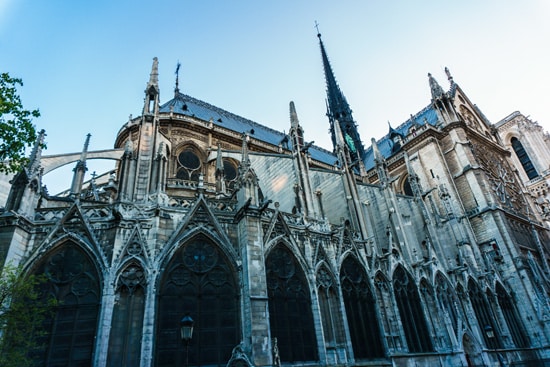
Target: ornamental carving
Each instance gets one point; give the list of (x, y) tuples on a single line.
[(501, 179)]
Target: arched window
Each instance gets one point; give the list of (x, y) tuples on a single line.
[(448, 300), (410, 310), (198, 282), (290, 315), (329, 304), (188, 165), (512, 319), (407, 189), (360, 311), (127, 324), (524, 159), (388, 317), (484, 316), (73, 281)]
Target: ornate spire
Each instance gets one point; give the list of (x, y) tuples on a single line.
[(36, 153), (154, 76), (152, 90), (339, 112)]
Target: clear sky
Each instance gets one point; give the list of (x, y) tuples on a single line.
[(85, 64)]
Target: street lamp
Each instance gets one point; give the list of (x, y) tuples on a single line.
[(186, 330)]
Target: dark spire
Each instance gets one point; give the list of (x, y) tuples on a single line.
[(339, 112), (177, 89)]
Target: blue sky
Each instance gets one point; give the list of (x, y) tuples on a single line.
[(85, 64)]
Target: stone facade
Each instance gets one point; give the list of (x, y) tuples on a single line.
[(431, 249)]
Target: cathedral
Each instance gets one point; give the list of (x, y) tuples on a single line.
[(218, 241)]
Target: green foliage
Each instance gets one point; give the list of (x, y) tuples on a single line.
[(22, 314), (16, 128)]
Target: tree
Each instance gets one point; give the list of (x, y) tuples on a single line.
[(22, 314), (16, 129)]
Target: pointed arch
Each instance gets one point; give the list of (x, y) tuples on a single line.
[(73, 279), (329, 305), (128, 313), (447, 300), (388, 315), (199, 280), (411, 312), (360, 304), (511, 316), (484, 316), (435, 320), (289, 300)]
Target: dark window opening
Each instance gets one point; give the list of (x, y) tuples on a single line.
[(69, 335), (290, 315), (411, 312), (524, 159), (360, 307), (200, 282)]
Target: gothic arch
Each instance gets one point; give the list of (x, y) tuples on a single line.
[(484, 315), (511, 316), (74, 280), (411, 312), (128, 314), (388, 316), (361, 313), (175, 244), (288, 243), (329, 306), (448, 301), (438, 327), (200, 280), (289, 301)]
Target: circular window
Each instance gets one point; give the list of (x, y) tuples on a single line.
[(189, 160), (229, 170)]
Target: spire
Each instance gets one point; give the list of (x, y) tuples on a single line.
[(80, 169), (36, 154), (339, 112), (154, 77), (152, 90), (177, 89), (293, 116), (437, 91)]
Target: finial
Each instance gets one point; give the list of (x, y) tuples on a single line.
[(293, 115), (154, 77), (437, 91), (177, 90), (87, 142), (317, 28), (449, 76)]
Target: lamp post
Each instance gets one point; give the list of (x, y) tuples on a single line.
[(186, 330)]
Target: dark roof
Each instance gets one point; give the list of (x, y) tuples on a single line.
[(187, 105), (385, 145)]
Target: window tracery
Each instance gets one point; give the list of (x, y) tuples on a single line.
[(198, 281), (411, 312), (361, 313), (290, 314), (189, 165), (73, 281)]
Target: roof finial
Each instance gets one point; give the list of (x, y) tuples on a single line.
[(449, 76), (317, 27), (177, 90)]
